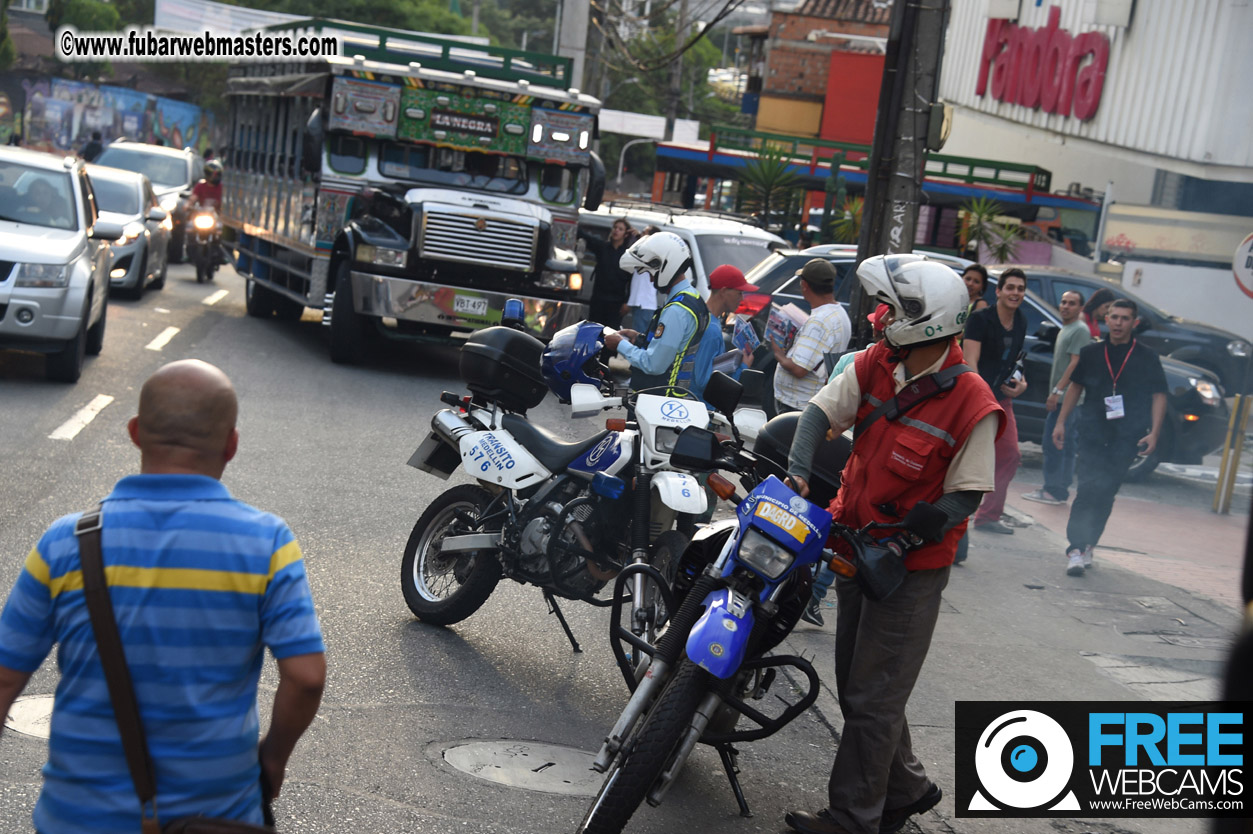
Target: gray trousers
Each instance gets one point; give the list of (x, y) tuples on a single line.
[(879, 651)]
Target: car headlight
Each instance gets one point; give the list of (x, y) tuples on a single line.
[(763, 555), (169, 202), (551, 280), (1210, 393), (382, 256), (42, 275), (1238, 348), (131, 231)]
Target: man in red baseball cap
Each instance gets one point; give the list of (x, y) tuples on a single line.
[(726, 290)]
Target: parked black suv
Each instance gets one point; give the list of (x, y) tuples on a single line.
[(1212, 348)]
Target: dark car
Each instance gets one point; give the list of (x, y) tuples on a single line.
[(1196, 414), (1220, 351)]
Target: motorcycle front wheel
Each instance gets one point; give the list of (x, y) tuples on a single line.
[(645, 757), (440, 589)]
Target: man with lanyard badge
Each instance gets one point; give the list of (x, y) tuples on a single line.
[(664, 357), (1125, 389)]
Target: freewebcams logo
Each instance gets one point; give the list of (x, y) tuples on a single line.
[(1024, 761), (1100, 759)]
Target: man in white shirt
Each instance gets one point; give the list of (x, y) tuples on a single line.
[(801, 372)]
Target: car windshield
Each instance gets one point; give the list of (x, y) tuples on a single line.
[(737, 250), (111, 195), (164, 171), (36, 196)]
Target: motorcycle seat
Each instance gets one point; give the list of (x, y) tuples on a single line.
[(556, 454)]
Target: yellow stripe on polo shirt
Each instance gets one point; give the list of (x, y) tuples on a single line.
[(192, 579), (286, 555), (38, 568)]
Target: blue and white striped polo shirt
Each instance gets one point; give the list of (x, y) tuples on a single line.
[(201, 585)]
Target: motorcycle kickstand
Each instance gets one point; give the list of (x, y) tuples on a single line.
[(728, 755), (554, 608)]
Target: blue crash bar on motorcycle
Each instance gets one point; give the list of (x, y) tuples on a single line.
[(608, 486)]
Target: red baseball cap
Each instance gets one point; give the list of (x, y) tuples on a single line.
[(876, 318), (728, 277)]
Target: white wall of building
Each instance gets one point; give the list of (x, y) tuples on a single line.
[(989, 137), (1210, 296)]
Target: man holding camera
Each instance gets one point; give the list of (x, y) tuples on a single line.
[(1125, 390)]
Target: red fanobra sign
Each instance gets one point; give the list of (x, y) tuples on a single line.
[(1045, 68)]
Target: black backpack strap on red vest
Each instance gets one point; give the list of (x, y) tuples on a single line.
[(915, 393)]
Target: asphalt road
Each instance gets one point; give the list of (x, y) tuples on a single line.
[(325, 447)]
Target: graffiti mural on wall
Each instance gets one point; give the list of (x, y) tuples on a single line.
[(61, 115), (12, 104)]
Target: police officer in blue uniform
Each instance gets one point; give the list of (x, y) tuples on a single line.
[(665, 356)]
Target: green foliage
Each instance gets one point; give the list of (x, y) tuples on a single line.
[(86, 16), (416, 15), (982, 228), (8, 52), (767, 183), (506, 23), (846, 226)]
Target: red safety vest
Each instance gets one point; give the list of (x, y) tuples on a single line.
[(897, 463)]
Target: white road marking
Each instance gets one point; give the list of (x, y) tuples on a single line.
[(216, 297), (162, 339), (160, 309), (71, 427)]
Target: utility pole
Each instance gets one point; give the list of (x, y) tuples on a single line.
[(911, 73), (474, 18), (676, 72)]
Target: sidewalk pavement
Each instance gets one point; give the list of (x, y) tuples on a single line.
[(1151, 621)]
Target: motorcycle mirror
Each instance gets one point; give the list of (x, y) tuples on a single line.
[(723, 393), (925, 521), (696, 449)]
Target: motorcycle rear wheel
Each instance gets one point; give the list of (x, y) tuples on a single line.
[(442, 590), (646, 757)]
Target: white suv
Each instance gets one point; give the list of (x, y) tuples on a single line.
[(715, 239), (54, 261)]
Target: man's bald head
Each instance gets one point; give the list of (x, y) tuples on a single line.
[(186, 420)]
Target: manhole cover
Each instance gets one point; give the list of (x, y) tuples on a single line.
[(31, 716), (530, 765)]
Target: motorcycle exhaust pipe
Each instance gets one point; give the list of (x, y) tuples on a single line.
[(450, 427)]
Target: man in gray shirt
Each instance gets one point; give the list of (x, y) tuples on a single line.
[(1059, 464)]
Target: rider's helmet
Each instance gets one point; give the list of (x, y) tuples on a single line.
[(213, 171), (573, 357), (663, 255), (928, 298)]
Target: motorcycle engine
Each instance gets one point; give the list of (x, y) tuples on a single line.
[(559, 542)]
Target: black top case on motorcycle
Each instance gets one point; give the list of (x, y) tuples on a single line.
[(502, 365)]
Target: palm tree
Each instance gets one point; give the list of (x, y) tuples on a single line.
[(767, 181), (846, 226), (983, 229)]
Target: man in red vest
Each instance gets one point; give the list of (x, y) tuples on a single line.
[(938, 448)]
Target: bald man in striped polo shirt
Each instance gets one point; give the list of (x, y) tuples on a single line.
[(201, 585)]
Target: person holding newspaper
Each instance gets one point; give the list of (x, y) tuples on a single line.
[(800, 373)]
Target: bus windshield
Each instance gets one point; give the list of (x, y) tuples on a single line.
[(449, 166)]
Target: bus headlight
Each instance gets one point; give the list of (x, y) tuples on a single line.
[(381, 256), (550, 280)]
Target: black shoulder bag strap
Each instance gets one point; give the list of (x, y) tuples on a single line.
[(915, 393), (116, 673)]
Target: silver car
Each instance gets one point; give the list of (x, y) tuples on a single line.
[(140, 256), (54, 260), (173, 173)]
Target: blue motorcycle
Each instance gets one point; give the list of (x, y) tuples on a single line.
[(741, 587)]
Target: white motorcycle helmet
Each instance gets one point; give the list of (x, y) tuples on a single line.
[(928, 298), (663, 255)]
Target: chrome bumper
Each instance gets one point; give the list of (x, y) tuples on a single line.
[(469, 309)]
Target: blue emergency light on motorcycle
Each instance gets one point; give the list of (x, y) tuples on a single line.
[(608, 486), (513, 310)]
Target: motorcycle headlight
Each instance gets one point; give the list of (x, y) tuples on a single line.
[(1238, 348), (665, 438), (763, 555), (1210, 393), (381, 256), (204, 222), (131, 231), (42, 275)]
